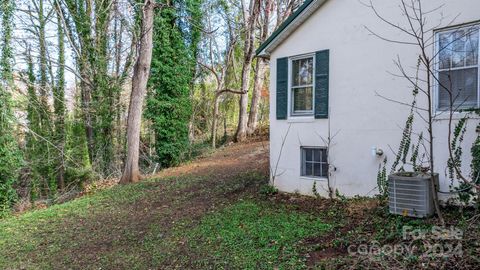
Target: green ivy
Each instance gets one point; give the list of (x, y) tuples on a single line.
[(466, 192), (405, 143), (415, 153), (10, 158), (382, 179), (476, 161), (176, 38), (456, 147)]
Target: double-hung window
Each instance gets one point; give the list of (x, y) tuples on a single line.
[(458, 69), (302, 86), (314, 162)]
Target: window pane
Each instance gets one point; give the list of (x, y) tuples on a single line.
[(317, 170), (295, 71), (308, 154), (458, 49), (308, 169), (445, 47), (303, 99), (471, 47), (317, 155), (464, 87), (324, 155), (324, 170), (302, 72), (306, 72)]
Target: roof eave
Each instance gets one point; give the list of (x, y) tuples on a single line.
[(288, 27)]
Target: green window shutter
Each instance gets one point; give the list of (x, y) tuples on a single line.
[(322, 62), (282, 88)]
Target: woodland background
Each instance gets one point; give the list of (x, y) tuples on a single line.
[(65, 82)]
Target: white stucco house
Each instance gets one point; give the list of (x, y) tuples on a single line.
[(332, 78)]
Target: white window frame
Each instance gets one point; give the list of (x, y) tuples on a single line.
[(291, 113), (437, 70), (303, 163)]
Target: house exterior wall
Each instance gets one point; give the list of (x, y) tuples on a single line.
[(359, 120)]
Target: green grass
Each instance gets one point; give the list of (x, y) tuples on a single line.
[(47, 230), (166, 223), (252, 235)]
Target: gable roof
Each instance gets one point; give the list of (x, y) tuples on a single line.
[(289, 26)]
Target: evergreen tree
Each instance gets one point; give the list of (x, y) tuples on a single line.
[(9, 152), (176, 38)]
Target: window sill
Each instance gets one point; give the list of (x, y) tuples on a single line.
[(313, 178), (298, 119), (445, 115)]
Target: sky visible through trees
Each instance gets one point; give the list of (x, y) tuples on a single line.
[(69, 67)]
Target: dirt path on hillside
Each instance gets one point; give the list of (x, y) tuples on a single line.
[(230, 160)]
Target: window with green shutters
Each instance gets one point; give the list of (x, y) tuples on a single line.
[(303, 86)]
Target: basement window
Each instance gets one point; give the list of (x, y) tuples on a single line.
[(314, 162)]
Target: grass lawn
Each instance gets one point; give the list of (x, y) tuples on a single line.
[(161, 223), (210, 214)]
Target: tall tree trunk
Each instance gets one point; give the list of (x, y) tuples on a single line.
[(215, 119), (191, 128), (256, 96), (102, 95), (243, 112), (45, 160), (118, 108), (141, 74), (250, 21), (43, 52), (433, 184), (259, 73), (59, 106), (86, 99)]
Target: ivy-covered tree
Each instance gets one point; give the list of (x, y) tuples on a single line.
[(88, 28), (40, 150), (176, 38), (59, 107), (9, 152)]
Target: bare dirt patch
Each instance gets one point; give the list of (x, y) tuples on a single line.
[(249, 156)]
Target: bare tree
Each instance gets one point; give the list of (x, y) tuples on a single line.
[(217, 62), (419, 36), (102, 35), (250, 17), (220, 77), (131, 173), (281, 10), (285, 8), (260, 69)]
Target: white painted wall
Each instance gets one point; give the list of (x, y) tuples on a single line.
[(359, 66)]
